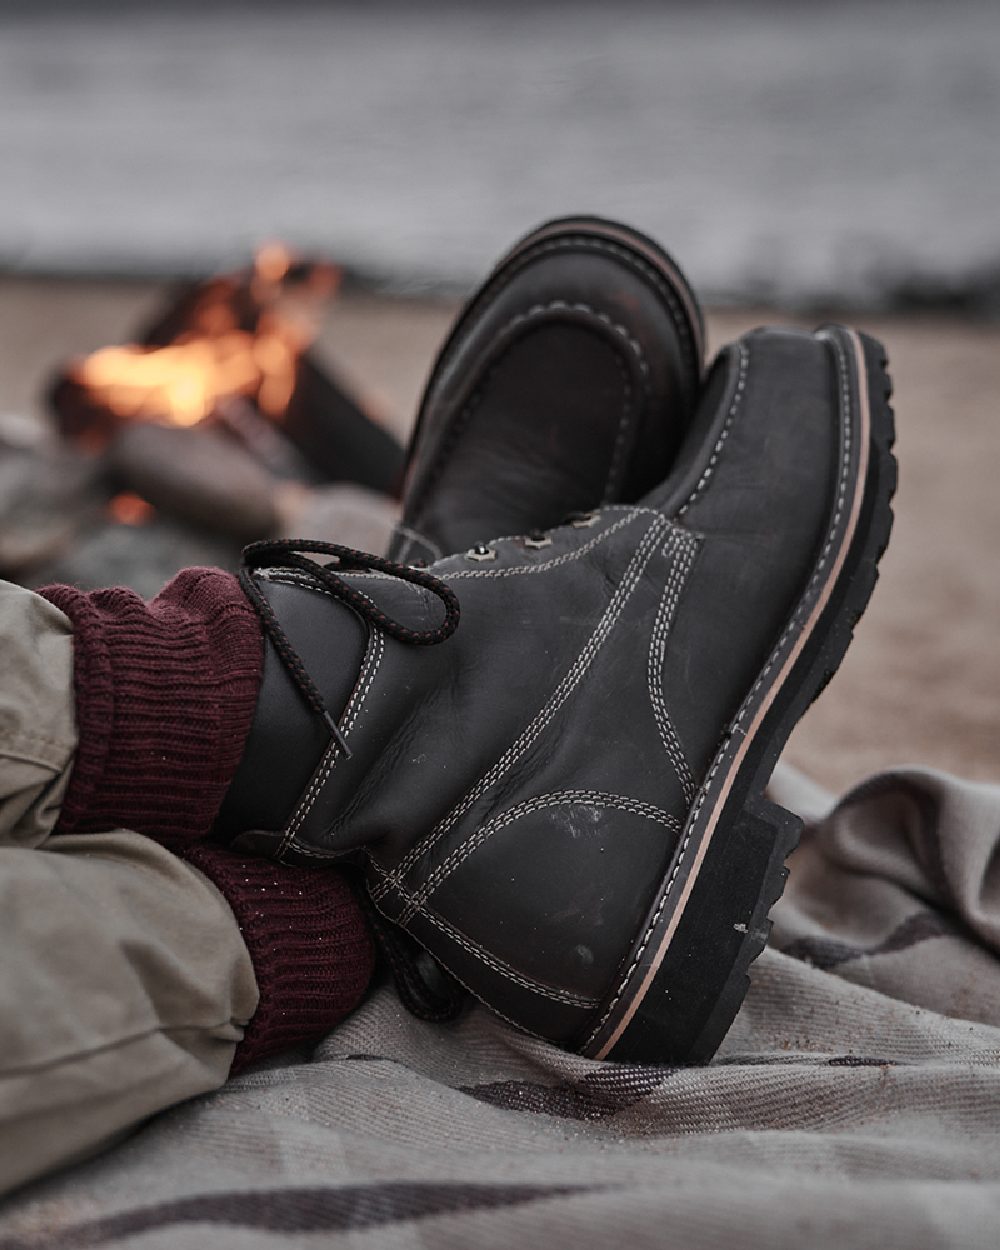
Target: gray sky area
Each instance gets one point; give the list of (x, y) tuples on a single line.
[(797, 152)]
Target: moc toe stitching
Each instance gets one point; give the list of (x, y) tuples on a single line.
[(503, 342), (606, 278), (580, 242)]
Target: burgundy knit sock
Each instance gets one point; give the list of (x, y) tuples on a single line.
[(165, 694), (308, 941)]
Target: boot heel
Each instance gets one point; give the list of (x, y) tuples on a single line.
[(762, 822), (723, 928)]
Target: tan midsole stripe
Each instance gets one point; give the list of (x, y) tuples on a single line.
[(849, 531)]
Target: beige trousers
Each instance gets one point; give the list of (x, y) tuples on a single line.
[(124, 981)]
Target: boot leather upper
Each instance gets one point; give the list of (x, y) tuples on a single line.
[(567, 382), (516, 794)]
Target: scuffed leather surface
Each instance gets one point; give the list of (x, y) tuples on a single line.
[(516, 793)]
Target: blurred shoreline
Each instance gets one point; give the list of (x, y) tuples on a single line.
[(786, 154)]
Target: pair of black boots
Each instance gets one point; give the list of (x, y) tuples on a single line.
[(544, 725)]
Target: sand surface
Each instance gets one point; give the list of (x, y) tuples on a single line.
[(921, 684)]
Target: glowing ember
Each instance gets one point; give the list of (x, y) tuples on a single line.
[(244, 336), (129, 509)]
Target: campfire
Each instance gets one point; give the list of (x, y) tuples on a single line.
[(239, 336), (218, 420), (232, 355)]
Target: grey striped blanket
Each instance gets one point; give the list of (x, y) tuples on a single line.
[(856, 1102)]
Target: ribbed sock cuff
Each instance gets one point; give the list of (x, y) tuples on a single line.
[(165, 695), (308, 940)]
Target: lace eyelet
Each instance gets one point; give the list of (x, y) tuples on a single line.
[(536, 542), (584, 520), (481, 552)]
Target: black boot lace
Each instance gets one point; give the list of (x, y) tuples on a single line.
[(287, 553), (424, 988)]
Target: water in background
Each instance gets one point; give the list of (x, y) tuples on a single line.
[(797, 152)]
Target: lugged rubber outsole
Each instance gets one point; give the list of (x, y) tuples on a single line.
[(688, 978)]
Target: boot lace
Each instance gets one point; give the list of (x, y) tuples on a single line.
[(425, 989), (288, 553)]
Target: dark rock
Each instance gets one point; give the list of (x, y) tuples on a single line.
[(341, 441)]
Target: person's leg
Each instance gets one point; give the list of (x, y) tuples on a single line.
[(37, 735), (125, 981), (129, 974), (125, 986)]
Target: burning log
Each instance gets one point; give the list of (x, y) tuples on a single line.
[(197, 474), (242, 421), (228, 362), (328, 429)]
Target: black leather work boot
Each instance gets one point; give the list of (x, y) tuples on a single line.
[(563, 799), (567, 382)]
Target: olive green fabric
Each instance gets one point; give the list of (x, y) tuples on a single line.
[(124, 981), (855, 1103)]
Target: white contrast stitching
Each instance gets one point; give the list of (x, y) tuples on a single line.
[(500, 966), (372, 662), (728, 746), (560, 305), (468, 409), (569, 682), (679, 570), (295, 578), (559, 798), (292, 577), (503, 969), (730, 416), (521, 1028), (643, 553)]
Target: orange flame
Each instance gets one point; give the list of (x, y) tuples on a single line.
[(215, 356), (130, 509)]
